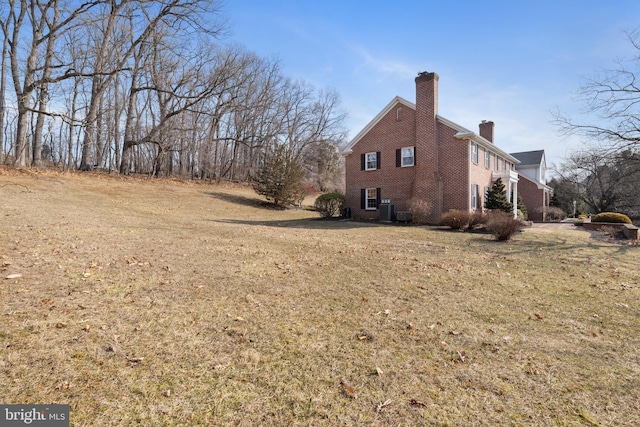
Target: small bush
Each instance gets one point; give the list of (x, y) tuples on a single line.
[(476, 218), (502, 225), (579, 222), (420, 211), (329, 204), (552, 213), (611, 217), (456, 219)]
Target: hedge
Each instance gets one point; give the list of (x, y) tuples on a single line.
[(611, 217)]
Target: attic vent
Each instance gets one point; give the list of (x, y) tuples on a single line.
[(398, 114)]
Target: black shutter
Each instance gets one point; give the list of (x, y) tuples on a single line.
[(398, 158), (378, 197), (415, 159), (377, 160), (363, 198), (361, 162)]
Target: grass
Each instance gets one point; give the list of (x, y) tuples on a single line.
[(166, 303)]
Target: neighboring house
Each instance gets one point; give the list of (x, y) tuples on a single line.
[(532, 186), (409, 152)]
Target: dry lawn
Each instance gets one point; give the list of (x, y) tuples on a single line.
[(167, 303)]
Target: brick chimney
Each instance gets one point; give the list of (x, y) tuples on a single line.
[(486, 130), (427, 183)]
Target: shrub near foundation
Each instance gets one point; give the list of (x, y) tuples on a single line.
[(611, 217), (477, 218), (456, 219), (330, 204), (420, 211)]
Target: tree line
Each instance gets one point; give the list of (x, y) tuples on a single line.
[(605, 174), (147, 86)]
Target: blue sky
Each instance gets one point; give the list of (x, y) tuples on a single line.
[(512, 62)]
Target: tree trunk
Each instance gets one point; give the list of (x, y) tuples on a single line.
[(43, 94)]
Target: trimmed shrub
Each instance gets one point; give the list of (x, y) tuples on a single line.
[(502, 225), (329, 204), (611, 217), (456, 219), (420, 211)]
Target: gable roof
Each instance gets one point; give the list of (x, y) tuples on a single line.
[(529, 158), (463, 133), (376, 119)]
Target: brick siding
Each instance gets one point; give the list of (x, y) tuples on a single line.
[(533, 198), (443, 170)]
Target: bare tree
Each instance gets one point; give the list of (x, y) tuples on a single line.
[(4, 25), (43, 90), (604, 181), (613, 97), (42, 21)]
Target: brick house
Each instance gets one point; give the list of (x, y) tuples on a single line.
[(410, 152), (532, 187)]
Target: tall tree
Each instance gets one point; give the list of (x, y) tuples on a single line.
[(604, 181), (496, 198), (611, 99)]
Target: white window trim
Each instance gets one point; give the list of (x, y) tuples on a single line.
[(496, 166), (366, 161), (474, 196), (487, 159), (474, 153), (413, 157), (367, 198)]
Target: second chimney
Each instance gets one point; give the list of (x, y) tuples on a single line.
[(486, 130)]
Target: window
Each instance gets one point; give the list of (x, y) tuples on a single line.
[(496, 165), (474, 152), (487, 159), (486, 193), (371, 199), (474, 196), (407, 156), (504, 164), (371, 161)]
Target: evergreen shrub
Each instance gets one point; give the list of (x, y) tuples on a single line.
[(329, 204), (611, 217)]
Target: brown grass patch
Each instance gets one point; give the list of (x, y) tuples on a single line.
[(168, 303)]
